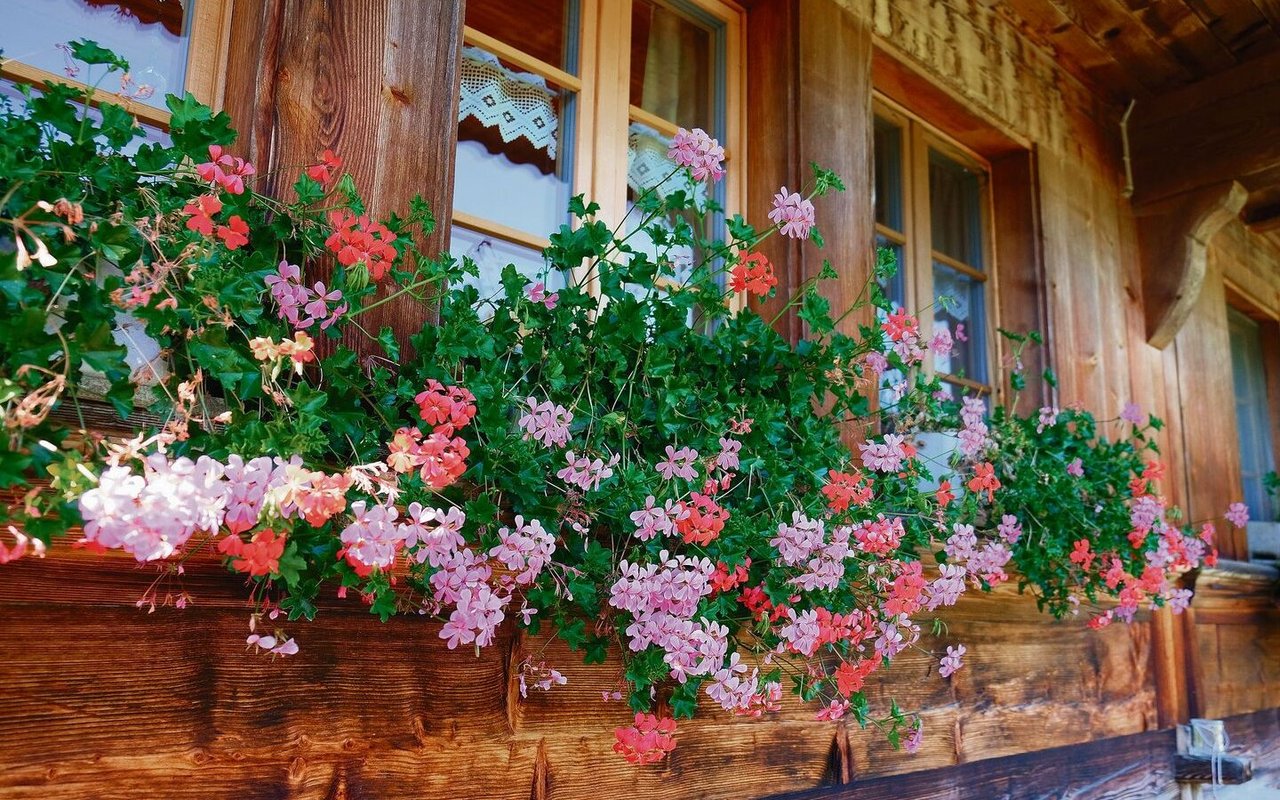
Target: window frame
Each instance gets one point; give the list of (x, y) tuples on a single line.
[(603, 117), (916, 238), (208, 34), (1241, 300)]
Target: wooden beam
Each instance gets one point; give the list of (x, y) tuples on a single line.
[(1223, 128), (810, 84), (1172, 239), (1227, 770), (1140, 765), (377, 83)]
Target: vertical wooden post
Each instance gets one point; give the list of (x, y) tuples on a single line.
[(809, 84), (376, 81)]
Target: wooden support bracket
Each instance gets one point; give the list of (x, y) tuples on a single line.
[(1232, 770), (1173, 236)]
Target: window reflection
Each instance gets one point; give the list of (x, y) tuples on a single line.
[(152, 35)]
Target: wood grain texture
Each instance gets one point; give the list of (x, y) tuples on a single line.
[(1237, 633), (808, 54), (374, 81), (1220, 129), (105, 698), (1137, 767)]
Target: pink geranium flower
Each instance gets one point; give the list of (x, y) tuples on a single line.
[(793, 213), (699, 152), (951, 661)]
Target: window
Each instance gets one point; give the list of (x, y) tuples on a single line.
[(932, 213), (561, 97), (1253, 418), (171, 47)]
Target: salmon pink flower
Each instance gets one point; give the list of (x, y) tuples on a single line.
[(225, 170), (19, 549), (439, 405), (647, 741), (879, 537), (443, 460), (260, 556), (900, 325), (1080, 554), (943, 495), (753, 274), (984, 480), (832, 711), (360, 240), (324, 172), (843, 489), (704, 522), (537, 293), (201, 211), (233, 234)]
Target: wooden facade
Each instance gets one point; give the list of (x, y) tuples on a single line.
[(1130, 283)]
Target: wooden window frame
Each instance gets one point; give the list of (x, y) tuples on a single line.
[(918, 254), (208, 32), (604, 116), (1240, 300)]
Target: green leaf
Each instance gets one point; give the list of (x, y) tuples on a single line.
[(90, 52), (816, 310), (387, 338)]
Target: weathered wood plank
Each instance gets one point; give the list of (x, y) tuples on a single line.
[(1138, 767)]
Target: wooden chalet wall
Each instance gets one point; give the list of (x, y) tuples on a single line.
[(103, 700)]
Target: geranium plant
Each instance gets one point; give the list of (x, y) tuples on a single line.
[(624, 461)]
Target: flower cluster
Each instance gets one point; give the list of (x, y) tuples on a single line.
[(360, 240)]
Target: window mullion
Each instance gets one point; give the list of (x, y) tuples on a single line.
[(919, 251)]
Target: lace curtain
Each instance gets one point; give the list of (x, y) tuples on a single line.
[(516, 104)]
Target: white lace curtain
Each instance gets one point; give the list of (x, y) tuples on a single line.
[(517, 104)]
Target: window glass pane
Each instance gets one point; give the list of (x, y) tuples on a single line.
[(959, 307), (492, 254), (540, 28), (514, 148), (955, 205), (649, 170), (151, 36), (894, 288), (672, 71), (888, 185), (1253, 418)]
